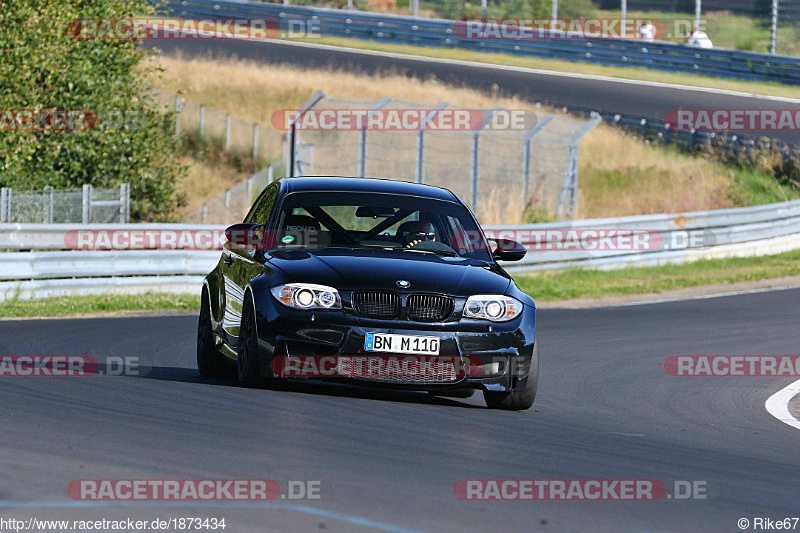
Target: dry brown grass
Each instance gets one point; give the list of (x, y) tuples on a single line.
[(619, 175), (205, 181), (623, 176)]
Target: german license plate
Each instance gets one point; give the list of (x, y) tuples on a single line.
[(391, 342)]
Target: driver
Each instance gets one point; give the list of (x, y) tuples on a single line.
[(412, 233)]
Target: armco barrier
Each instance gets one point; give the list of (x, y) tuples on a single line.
[(659, 55), (684, 237)]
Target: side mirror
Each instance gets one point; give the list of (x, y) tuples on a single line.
[(508, 250), (246, 236)]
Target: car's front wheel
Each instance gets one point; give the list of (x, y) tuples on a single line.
[(209, 360), (523, 396), (247, 366)]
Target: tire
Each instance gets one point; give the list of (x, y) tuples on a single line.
[(247, 367), (209, 360), (523, 396)]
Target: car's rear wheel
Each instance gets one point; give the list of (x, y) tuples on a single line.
[(247, 366), (523, 396), (209, 360)]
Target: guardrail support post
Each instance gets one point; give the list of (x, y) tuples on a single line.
[(227, 132), (177, 115), (255, 141), (270, 173), (4, 210), (87, 204), (205, 213), (202, 121)]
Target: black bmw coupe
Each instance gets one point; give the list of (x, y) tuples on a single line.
[(371, 282)]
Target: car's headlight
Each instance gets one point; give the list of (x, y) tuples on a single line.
[(307, 296), (496, 308)]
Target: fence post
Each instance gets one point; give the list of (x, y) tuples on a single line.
[(49, 217), (202, 121), (362, 137), (177, 115), (249, 198), (205, 213), (526, 154), (4, 210), (292, 151), (227, 132), (474, 172), (228, 198), (122, 203), (419, 171), (87, 204), (255, 141), (269, 174), (127, 203), (420, 166)]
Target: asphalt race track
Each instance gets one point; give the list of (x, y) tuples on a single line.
[(387, 461), (638, 99)]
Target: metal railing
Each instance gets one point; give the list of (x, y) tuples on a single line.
[(86, 205), (685, 237), (498, 171), (659, 55)]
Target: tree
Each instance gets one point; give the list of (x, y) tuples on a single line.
[(42, 66)]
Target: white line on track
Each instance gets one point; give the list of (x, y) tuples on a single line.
[(475, 64), (778, 404)]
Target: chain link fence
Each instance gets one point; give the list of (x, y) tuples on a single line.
[(220, 129), (499, 171), (63, 206), (232, 205)]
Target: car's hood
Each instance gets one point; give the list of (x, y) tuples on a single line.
[(365, 269)]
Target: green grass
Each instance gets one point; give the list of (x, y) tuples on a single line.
[(570, 284), (107, 303), (544, 286), (751, 187), (631, 73), (725, 29)]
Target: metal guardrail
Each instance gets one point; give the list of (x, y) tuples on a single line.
[(739, 232), (659, 55)]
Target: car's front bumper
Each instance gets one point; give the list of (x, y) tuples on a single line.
[(493, 355)]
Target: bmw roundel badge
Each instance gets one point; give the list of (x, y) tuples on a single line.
[(403, 284)]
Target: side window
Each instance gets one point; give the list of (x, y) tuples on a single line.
[(263, 209)]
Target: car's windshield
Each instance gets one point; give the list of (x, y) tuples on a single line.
[(375, 220)]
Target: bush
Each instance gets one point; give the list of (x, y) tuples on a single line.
[(42, 67)]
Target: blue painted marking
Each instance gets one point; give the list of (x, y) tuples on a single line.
[(369, 342)]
